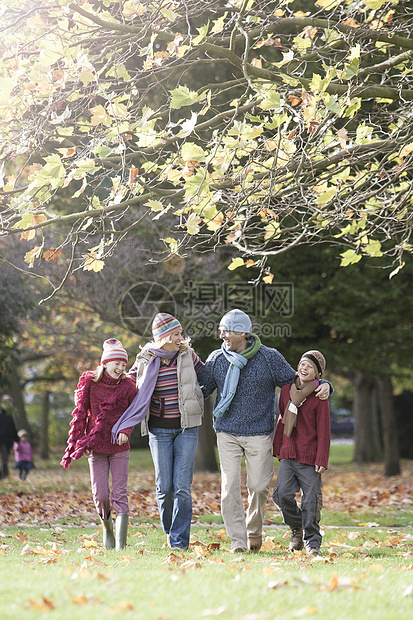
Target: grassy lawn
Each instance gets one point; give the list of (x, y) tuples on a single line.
[(52, 563)]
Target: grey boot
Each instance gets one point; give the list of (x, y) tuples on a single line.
[(108, 536), (121, 530)]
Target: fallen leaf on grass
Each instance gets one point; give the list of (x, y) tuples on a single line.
[(408, 591), (268, 544), (190, 564), (122, 607), (81, 599), (45, 604), (339, 583), (278, 583), (306, 611), (219, 611)]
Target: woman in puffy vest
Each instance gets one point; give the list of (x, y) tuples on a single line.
[(170, 405)]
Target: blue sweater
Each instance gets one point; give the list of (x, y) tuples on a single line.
[(252, 409)]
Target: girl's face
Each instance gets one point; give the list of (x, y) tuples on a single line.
[(176, 339), (306, 371), (115, 368)]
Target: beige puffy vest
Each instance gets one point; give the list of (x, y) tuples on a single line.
[(190, 397)]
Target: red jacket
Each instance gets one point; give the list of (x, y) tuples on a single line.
[(98, 407), (310, 440)]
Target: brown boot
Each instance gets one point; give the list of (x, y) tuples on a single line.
[(296, 541), (254, 543)]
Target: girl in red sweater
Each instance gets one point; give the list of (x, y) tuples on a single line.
[(302, 445), (101, 398)]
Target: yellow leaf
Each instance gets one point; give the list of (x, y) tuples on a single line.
[(256, 62), (67, 152), (118, 109), (193, 223), (28, 235), (406, 150), (327, 4), (215, 222), (30, 257), (92, 263), (269, 278), (235, 263), (99, 116)]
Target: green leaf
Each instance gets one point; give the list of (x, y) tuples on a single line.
[(192, 152), (182, 96), (349, 257)]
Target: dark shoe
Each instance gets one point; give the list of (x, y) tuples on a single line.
[(254, 543), (313, 551), (238, 550), (296, 541)]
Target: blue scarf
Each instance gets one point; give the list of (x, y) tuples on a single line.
[(138, 408), (237, 361)]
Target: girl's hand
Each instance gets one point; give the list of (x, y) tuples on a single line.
[(320, 469), (122, 438), (87, 453), (323, 391)]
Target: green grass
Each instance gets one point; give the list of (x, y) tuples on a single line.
[(65, 572), (59, 570)]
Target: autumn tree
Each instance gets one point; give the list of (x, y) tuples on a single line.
[(362, 322), (250, 123)]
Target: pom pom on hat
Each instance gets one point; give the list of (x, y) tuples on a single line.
[(113, 351), (317, 360), (236, 321), (164, 325)]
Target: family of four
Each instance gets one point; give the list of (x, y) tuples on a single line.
[(165, 390)]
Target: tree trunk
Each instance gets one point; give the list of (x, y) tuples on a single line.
[(389, 427), (15, 391), (44, 427), (368, 445), (205, 457)]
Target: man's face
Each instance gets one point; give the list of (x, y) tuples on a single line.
[(234, 341)]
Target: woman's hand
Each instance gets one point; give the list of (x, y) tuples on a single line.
[(122, 438)]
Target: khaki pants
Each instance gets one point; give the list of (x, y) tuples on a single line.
[(257, 450)]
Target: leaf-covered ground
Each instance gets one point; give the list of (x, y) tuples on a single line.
[(52, 495)]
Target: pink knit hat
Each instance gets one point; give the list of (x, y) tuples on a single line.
[(113, 351), (164, 325)]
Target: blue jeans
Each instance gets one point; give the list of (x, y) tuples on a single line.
[(173, 453)]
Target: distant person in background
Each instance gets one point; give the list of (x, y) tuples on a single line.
[(101, 397), (8, 435), (23, 454), (302, 445)]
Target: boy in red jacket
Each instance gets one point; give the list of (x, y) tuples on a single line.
[(302, 445)]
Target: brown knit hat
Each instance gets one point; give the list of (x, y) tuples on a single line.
[(317, 360)]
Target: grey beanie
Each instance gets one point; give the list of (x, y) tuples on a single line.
[(236, 321)]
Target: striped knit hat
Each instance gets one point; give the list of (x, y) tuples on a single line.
[(317, 360), (113, 351), (164, 325)]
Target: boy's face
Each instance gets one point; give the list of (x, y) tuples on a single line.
[(306, 371)]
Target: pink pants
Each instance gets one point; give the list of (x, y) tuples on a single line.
[(100, 466)]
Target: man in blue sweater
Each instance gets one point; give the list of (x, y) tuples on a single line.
[(245, 374)]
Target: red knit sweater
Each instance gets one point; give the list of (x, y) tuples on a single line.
[(98, 407), (310, 440)]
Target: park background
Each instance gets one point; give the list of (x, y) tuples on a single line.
[(276, 179)]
